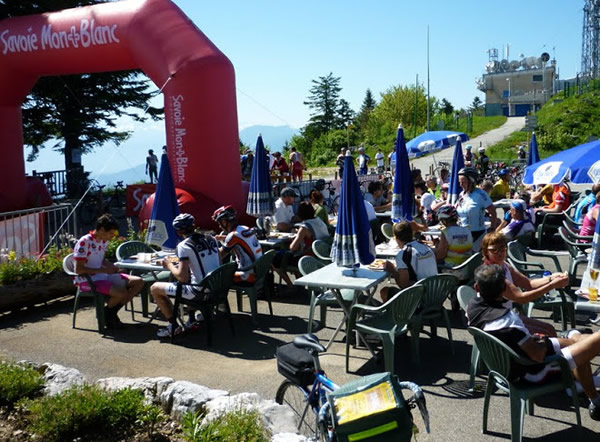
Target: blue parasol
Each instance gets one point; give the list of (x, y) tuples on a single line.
[(260, 196), (353, 241), (434, 141), (160, 229), (458, 162), (534, 155), (580, 164), (404, 189)]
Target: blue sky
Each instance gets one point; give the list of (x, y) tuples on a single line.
[(278, 47)]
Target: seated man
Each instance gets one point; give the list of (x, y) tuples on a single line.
[(501, 187), (415, 261), (284, 217), (240, 240), (488, 312), (375, 196), (198, 255), (88, 255), (518, 221)]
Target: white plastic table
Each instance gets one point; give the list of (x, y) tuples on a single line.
[(336, 278)]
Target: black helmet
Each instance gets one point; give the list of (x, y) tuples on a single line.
[(469, 172), (183, 221), (224, 213)]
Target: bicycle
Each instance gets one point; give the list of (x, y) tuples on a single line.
[(94, 204), (332, 201), (309, 403)]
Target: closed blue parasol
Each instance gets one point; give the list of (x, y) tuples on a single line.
[(458, 162), (260, 196), (580, 164), (160, 229), (353, 241), (534, 155), (404, 189)]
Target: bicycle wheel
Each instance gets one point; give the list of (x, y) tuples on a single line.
[(116, 207), (295, 396), (333, 207)]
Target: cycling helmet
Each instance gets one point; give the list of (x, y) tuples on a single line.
[(521, 147), (226, 213), (469, 172), (447, 212), (183, 221), (503, 172), (481, 150), (469, 147)]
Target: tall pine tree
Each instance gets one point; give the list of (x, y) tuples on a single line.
[(324, 101)]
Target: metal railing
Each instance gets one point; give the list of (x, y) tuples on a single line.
[(29, 232), (55, 181)]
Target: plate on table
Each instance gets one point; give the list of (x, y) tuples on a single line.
[(378, 264)]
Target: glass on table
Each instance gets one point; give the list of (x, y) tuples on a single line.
[(593, 288)]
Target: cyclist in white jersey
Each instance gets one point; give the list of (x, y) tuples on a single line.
[(198, 255), (239, 239)]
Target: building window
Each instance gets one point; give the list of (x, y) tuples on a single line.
[(537, 78)]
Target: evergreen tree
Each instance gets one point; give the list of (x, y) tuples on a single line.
[(324, 101), (447, 107), (369, 103), (345, 115), (476, 103)]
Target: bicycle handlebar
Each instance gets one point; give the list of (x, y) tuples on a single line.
[(419, 398)]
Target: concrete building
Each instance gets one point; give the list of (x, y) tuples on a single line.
[(517, 87)]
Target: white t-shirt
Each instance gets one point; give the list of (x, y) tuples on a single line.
[(379, 159), (422, 260), (283, 213), (471, 209), (362, 160), (371, 214)]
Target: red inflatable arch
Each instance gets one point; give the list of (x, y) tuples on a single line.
[(154, 36)]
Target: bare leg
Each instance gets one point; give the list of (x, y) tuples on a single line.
[(159, 294), (537, 326), (583, 351)]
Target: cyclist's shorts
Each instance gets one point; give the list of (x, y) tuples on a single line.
[(188, 292), (103, 285)]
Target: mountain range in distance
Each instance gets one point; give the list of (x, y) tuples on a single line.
[(274, 137)]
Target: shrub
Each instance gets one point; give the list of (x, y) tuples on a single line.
[(84, 412), (18, 382), (29, 267), (235, 426)]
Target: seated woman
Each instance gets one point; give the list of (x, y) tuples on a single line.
[(309, 229), (494, 252), (456, 243), (316, 199), (590, 219)]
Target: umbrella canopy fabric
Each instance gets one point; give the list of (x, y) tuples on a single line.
[(260, 195), (580, 164), (534, 155), (433, 141), (160, 228), (353, 241), (404, 189), (458, 162)]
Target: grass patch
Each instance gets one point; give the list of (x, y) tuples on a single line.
[(18, 382), (485, 124), (235, 426), (84, 412)]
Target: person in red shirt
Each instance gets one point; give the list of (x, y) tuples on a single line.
[(561, 199), (281, 166)]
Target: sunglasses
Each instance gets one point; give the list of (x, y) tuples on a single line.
[(496, 250)]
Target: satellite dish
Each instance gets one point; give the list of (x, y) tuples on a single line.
[(514, 65), (545, 57), (504, 64)]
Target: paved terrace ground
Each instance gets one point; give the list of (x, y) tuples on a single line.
[(246, 363)]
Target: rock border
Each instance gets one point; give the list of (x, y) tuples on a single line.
[(180, 397)]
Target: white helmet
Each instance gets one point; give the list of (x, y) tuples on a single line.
[(481, 150)]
